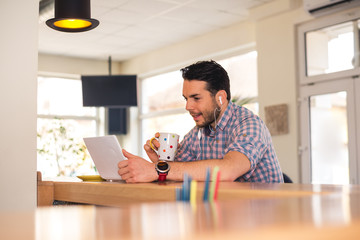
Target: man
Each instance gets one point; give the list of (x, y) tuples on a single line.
[(226, 135)]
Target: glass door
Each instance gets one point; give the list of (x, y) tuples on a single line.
[(328, 130), (329, 70)]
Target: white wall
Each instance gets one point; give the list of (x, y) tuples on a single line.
[(277, 80), (61, 65), (230, 40), (18, 71)]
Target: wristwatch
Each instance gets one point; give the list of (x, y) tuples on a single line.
[(162, 169)]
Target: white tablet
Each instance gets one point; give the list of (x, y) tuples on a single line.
[(106, 153)]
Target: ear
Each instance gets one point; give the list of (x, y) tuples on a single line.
[(221, 97)]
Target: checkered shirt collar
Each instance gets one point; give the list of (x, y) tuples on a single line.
[(221, 124)]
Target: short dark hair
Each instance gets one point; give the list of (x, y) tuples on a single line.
[(212, 73)]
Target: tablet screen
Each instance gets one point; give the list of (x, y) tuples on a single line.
[(106, 153)]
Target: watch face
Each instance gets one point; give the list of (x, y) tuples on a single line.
[(162, 166)]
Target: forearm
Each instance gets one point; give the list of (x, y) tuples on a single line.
[(232, 166)]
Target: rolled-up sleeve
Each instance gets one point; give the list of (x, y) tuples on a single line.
[(247, 139)]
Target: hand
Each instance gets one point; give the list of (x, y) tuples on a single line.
[(136, 169), (153, 156)]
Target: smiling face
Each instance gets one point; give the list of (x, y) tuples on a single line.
[(200, 103)]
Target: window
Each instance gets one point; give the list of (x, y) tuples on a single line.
[(163, 107), (242, 71), (330, 49), (162, 104), (61, 125), (165, 87), (329, 149)]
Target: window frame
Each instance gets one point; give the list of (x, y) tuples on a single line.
[(99, 116), (302, 29)]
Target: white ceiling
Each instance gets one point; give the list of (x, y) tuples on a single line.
[(132, 27)]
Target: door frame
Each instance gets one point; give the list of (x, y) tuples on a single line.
[(349, 85)]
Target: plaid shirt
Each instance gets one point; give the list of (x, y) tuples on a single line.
[(238, 130)]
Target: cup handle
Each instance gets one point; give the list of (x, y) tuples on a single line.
[(151, 145)]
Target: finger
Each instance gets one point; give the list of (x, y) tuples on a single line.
[(157, 135), (148, 148), (153, 156), (153, 142), (131, 180), (127, 154), (147, 144), (125, 176), (123, 171), (123, 164)]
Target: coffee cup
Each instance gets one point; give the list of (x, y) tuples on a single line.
[(168, 146)]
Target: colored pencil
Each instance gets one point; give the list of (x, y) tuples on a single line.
[(213, 183), (206, 188)]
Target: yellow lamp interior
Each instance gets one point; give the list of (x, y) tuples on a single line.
[(72, 23)]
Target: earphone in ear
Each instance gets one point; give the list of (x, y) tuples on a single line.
[(220, 100)]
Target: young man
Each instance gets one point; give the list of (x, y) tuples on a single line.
[(226, 135)]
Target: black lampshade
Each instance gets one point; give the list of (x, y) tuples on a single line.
[(72, 16)]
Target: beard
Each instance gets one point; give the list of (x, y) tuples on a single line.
[(209, 117)]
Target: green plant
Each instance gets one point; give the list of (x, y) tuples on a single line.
[(66, 154), (238, 100)]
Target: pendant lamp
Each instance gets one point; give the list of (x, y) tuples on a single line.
[(72, 16)]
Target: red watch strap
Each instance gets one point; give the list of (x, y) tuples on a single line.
[(162, 177)]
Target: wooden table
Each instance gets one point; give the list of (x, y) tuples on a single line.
[(243, 211), (119, 193)]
